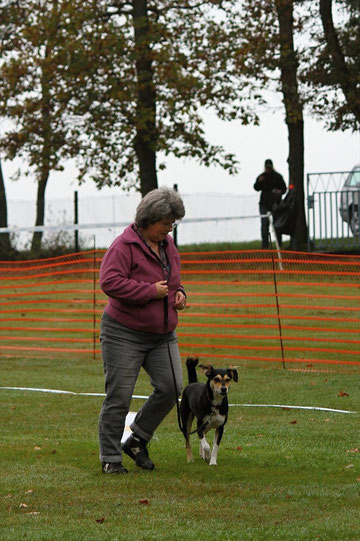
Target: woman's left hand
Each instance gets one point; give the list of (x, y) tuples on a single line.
[(180, 301)]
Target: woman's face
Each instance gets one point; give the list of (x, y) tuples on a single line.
[(157, 231)]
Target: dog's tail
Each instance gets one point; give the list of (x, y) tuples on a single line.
[(191, 363)]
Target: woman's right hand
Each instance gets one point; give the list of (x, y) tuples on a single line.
[(162, 289)]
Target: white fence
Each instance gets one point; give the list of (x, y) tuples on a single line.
[(212, 217)]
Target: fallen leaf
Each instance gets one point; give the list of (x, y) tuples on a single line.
[(349, 466), (36, 448), (53, 452), (144, 502), (327, 420), (239, 448), (100, 520), (32, 513), (355, 450), (358, 479), (22, 505), (309, 366), (293, 422), (341, 393), (286, 409), (29, 491)]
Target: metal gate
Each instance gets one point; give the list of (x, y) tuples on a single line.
[(333, 210)]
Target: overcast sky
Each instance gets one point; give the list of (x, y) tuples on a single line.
[(324, 152)]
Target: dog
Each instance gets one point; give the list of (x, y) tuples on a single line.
[(209, 404)]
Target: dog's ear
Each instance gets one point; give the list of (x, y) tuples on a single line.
[(233, 374), (207, 369)]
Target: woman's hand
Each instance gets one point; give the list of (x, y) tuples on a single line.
[(162, 289), (180, 300)]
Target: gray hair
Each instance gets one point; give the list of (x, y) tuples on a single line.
[(161, 203)]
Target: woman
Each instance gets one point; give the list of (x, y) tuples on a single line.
[(140, 273)]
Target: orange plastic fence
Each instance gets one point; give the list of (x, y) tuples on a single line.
[(287, 308)]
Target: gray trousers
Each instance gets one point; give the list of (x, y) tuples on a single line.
[(124, 352)]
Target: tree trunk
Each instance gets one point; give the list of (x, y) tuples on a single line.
[(146, 133), (5, 243), (343, 77), (44, 166), (43, 170), (40, 210), (294, 116)]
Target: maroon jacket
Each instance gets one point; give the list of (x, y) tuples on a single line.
[(128, 274)]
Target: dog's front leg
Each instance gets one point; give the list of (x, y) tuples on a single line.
[(215, 449), (214, 454), (205, 451)]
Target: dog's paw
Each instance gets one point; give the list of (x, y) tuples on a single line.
[(213, 462)]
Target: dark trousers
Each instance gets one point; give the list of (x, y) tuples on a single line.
[(124, 352)]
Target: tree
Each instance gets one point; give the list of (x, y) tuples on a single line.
[(146, 132), (5, 242), (134, 74), (332, 71), (35, 52), (293, 104), (157, 66), (344, 73), (267, 53)]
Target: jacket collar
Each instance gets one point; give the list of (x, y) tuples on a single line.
[(131, 236)]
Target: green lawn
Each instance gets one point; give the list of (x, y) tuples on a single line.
[(282, 474)]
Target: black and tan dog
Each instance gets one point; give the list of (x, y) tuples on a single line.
[(209, 404)]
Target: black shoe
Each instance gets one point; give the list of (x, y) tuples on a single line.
[(113, 467), (136, 449)]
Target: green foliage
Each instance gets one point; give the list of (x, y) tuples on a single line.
[(180, 66), (34, 53)]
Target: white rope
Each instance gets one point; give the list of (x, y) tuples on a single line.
[(57, 391), (143, 397), (291, 407)]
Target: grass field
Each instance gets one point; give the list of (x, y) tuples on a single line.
[(282, 474)]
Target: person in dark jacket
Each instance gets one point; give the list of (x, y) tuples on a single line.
[(140, 274), (272, 186)]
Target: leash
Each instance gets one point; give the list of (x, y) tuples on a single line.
[(166, 317)]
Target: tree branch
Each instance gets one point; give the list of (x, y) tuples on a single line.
[(341, 70)]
